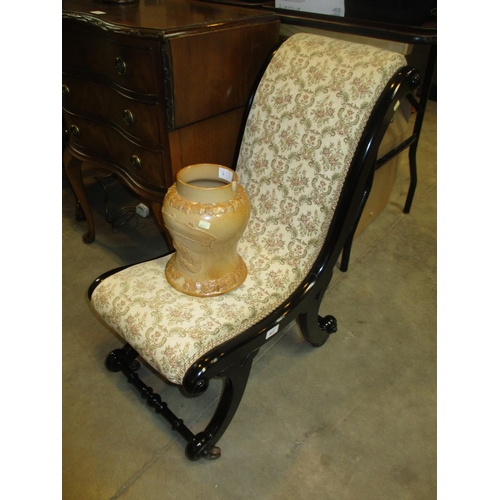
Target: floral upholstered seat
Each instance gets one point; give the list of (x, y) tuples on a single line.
[(306, 119)]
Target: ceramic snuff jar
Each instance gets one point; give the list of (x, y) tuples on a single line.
[(206, 212)]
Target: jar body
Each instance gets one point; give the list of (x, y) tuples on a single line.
[(206, 212)]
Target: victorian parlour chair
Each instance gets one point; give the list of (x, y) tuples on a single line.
[(306, 158)]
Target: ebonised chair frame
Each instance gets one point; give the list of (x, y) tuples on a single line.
[(232, 360)]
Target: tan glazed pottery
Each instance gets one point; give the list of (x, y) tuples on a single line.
[(206, 212)]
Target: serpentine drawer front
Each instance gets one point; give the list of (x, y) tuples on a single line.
[(136, 118), (107, 142), (148, 89), (99, 55)]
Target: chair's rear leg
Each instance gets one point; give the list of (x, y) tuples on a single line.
[(413, 178), (235, 381), (346, 251), (314, 328)]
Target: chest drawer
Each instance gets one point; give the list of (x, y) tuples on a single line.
[(143, 164), (128, 66), (137, 118)]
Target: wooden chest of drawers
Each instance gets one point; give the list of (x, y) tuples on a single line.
[(151, 87)]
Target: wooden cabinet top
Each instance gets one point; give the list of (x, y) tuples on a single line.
[(162, 18)]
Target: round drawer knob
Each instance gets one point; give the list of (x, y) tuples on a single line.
[(75, 131), (120, 66), (135, 161), (128, 117), (65, 91)]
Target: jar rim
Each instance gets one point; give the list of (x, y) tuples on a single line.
[(223, 178)]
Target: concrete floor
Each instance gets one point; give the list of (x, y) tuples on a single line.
[(354, 419)]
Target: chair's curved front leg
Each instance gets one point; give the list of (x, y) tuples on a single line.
[(124, 360), (235, 379)]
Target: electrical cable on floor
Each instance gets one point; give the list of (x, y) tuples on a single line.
[(122, 216)]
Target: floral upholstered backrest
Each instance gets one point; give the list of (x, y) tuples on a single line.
[(307, 117)]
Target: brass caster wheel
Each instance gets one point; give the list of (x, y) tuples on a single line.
[(214, 453)]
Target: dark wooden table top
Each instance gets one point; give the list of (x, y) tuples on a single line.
[(163, 18)]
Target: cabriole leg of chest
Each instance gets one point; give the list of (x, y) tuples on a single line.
[(73, 168)]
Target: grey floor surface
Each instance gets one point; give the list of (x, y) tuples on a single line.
[(354, 419)]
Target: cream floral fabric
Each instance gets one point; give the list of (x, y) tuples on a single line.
[(307, 117)]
